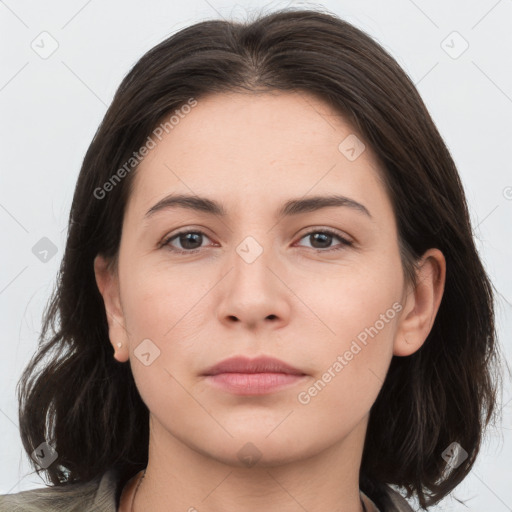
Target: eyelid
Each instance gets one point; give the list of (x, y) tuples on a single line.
[(344, 240), (331, 231), (168, 238)]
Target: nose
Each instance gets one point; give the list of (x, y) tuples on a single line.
[(253, 293)]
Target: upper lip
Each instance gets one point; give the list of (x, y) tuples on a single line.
[(262, 364)]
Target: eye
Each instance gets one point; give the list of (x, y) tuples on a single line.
[(322, 238), (189, 240)]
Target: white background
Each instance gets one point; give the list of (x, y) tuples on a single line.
[(50, 109)]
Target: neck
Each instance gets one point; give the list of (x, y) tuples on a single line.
[(179, 477)]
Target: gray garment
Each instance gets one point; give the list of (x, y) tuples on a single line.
[(99, 495)]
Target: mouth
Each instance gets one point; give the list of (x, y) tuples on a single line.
[(253, 383), (244, 376), (262, 364)]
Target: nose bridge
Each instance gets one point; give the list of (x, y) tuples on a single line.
[(252, 293), (251, 258), (253, 248)]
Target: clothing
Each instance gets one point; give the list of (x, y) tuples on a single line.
[(103, 494)]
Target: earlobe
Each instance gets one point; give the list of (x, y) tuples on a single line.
[(421, 304), (107, 282)]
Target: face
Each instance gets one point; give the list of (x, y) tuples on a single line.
[(319, 286)]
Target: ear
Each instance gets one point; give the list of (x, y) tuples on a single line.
[(108, 285), (421, 304)]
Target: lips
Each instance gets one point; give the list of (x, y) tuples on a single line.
[(262, 364)]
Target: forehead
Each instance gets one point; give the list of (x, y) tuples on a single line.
[(256, 145)]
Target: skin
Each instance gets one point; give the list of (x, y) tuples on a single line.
[(296, 302)]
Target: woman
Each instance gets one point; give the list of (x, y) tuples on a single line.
[(254, 367)]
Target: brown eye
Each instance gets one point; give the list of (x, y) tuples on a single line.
[(322, 239), (190, 241)]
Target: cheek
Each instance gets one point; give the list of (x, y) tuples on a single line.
[(165, 307), (157, 300), (351, 366), (158, 306), (344, 300), (351, 325), (338, 399)]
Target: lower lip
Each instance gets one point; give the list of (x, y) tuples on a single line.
[(253, 383)]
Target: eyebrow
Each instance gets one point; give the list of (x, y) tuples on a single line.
[(291, 207)]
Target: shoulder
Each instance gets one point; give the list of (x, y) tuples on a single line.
[(385, 498), (399, 502), (99, 493)]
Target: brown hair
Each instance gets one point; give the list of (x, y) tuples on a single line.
[(86, 404)]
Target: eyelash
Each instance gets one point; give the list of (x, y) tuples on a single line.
[(344, 241)]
